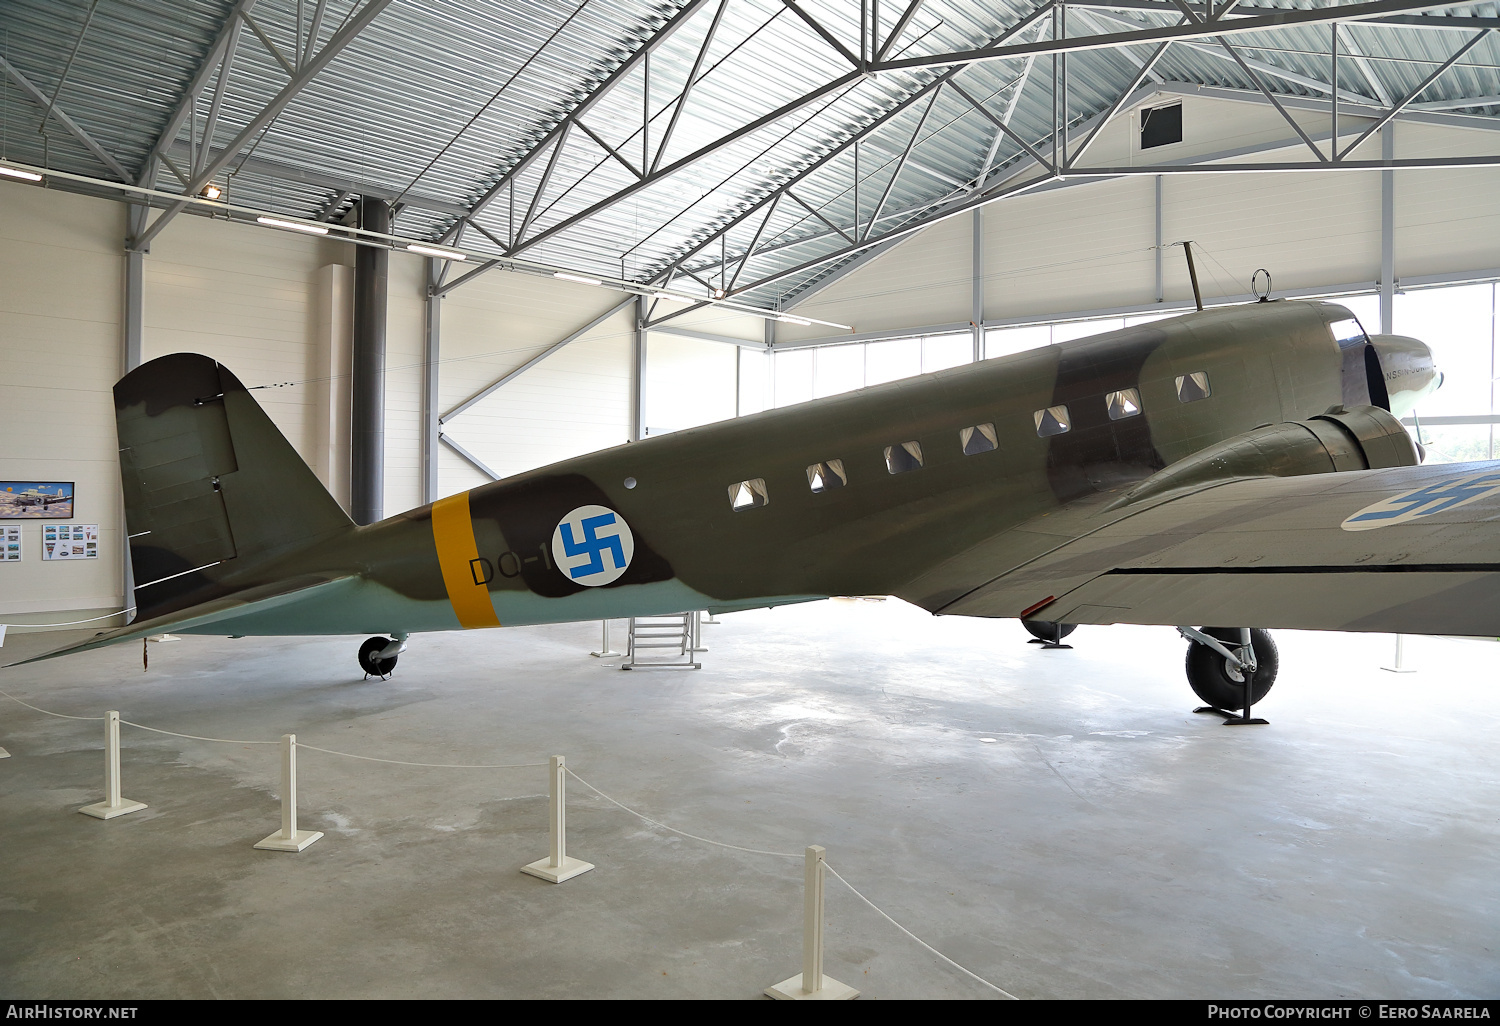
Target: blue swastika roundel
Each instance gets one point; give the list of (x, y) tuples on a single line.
[(592, 546), (1438, 497)]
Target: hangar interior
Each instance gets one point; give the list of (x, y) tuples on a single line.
[(589, 224)]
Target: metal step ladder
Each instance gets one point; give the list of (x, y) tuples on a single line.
[(673, 636)]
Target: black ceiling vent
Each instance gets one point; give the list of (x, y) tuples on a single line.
[(1161, 126)]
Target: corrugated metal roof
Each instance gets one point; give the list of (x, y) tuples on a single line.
[(437, 101)]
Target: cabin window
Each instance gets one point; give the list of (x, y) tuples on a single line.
[(1124, 403), (1054, 420), (748, 494), (1348, 331), (1192, 387), (977, 439), (901, 458), (825, 476)]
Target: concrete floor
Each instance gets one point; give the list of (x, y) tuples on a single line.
[(1107, 843)]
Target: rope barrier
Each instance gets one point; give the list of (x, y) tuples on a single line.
[(684, 833), (48, 712), (425, 765), (534, 765), (195, 737), (914, 937)]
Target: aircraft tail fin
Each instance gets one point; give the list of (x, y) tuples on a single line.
[(212, 488)]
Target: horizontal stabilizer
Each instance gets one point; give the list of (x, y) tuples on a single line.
[(221, 612)]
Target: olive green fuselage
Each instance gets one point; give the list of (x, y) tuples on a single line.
[(930, 534)]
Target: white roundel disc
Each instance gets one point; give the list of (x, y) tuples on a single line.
[(592, 546)]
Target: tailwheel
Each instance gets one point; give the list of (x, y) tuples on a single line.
[(1047, 633), (1218, 680), (371, 660)]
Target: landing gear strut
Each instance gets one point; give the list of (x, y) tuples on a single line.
[(377, 656), (1048, 634), (1230, 667)]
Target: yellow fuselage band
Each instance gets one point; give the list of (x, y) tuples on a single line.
[(458, 553)]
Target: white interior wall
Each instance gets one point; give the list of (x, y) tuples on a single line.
[(61, 285), (576, 401), (269, 305)]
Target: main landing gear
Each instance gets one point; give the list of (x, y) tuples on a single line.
[(1230, 667), (1048, 634), (377, 656)]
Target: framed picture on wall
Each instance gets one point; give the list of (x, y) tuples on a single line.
[(36, 500)]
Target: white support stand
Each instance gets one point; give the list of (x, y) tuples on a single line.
[(557, 867), (810, 984), (289, 838), (1399, 666), (113, 805), (605, 650), (698, 645)]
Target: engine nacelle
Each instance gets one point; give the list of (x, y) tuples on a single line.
[(1362, 438)]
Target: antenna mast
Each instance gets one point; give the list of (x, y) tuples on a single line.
[(1187, 247)]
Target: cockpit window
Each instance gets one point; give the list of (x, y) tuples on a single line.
[(1348, 332)]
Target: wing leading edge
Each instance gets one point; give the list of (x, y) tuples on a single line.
[(1414, 550)]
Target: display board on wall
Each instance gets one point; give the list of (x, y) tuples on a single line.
[(70, 541), (10, 544), (36, 500)]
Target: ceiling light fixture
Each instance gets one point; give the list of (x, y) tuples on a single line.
[(296, 226), (793, 320), (211, 191), (718, 293), (436, 251), (15, 172), (565, 276), (673, 299)]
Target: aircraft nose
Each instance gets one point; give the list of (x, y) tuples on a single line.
[(1409, 370)]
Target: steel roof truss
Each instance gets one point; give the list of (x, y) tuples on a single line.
[(1333, 145), (352, 27), (821, 30), (687, 88), (40, 99), (1397, 108), (1156, 34), (901, 23)]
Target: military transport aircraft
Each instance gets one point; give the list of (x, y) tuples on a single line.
[(1241, 466)]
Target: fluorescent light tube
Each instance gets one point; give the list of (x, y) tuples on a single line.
[(565, 276), (15, 172), (436, 251), (793, 320), (296, 226), (671, 298)]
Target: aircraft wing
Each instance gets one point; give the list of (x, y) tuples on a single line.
[(220, 612), (1414, 550)]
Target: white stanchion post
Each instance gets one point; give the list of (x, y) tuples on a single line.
[(1399, 666), (289, 838), (558, 866), (811, 984), (605, 651), (698, 645), (113, 805)]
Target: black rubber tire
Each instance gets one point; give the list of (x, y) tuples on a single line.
[(1208, 675), (376, 667), (1043, 629)]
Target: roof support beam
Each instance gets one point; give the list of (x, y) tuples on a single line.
[(72, 126), (1202, 30), (1397, 108), (335, 45), (228, 35), (630, 64), (1333, 146), (828, 37)]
